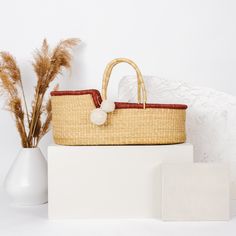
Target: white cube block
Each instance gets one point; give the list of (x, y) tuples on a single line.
[(199, 191), (109, 181), (233, 207), (233, 179), (233, 190)]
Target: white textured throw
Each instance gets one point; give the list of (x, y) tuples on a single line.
[(211, 116)]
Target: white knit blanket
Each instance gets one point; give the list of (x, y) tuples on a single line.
[(211, 115)]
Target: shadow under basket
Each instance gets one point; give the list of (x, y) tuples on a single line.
[(129, 123)]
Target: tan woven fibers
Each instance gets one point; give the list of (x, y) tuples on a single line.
[(72, 126)]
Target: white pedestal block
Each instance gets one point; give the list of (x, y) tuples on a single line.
[(109, 181), (233, 179), (233, 208), (199, 191)]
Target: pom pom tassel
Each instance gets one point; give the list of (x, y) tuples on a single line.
[(98, 116), (108, 106)]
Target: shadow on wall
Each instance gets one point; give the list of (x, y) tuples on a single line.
[(211, 114)]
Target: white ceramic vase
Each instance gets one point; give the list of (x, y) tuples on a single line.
[(26, 182)]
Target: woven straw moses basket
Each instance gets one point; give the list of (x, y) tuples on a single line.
[(129, 123)]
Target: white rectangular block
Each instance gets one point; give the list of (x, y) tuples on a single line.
[(233, 179), (233, 208), (199, 191), (109, 181)]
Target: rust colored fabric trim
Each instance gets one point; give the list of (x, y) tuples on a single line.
[(95, 94), (119, 105)]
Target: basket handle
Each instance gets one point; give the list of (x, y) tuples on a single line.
[(107, 74)]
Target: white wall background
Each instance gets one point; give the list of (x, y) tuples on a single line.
[(193, 41)]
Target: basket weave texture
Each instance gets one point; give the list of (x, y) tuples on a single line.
[(128, 124)]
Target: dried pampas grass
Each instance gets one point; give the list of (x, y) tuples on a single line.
[(47, 64)]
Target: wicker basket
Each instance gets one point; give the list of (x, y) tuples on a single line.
[(130, 123)]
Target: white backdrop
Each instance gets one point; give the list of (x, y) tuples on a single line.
[(187, 40)]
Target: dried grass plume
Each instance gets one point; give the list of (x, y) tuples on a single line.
[(32, 124)]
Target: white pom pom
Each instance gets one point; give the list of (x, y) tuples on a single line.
[(108, 106), (98, 116)]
